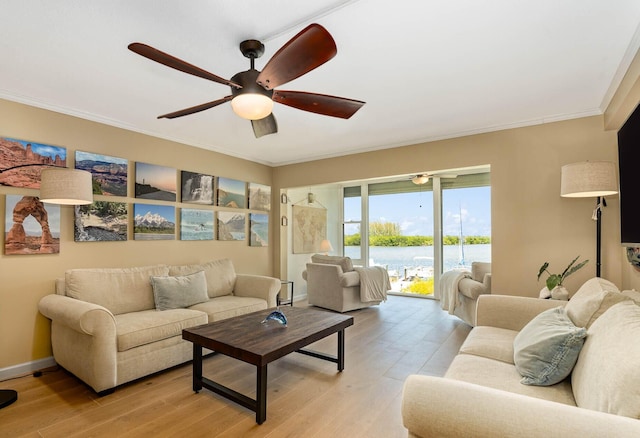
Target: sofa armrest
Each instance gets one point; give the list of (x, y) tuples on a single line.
[(258, 286), (510, 312), (81, 316), (350, 279), (436, 406)]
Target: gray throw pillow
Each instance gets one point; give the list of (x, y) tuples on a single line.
[(180, 291), (547, 348)]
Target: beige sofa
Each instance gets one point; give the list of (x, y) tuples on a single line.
[(481, 394), (111, 326), (334, 284)]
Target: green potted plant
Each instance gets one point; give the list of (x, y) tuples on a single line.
[(554, 288)]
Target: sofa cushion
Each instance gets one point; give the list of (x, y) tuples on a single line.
[(593, 298), (471, 288), (121, 290), (491, 342), (220, 274), (547, 348), (228, 306), (503, 376), (180, 291), (141, 328), (606, 376), (344, 262)]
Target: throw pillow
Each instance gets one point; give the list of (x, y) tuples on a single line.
[(593, 298), (546, 349), (179, 292), (606, 377), (220, 274)]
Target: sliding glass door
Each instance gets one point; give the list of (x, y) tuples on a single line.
[(417, 232)]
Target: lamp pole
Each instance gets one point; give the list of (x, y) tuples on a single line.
[(598, 233)]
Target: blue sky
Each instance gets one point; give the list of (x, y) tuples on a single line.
[(82, 156), (414, 211), (44, 149)]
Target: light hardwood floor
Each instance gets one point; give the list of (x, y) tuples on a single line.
[(306, 397)]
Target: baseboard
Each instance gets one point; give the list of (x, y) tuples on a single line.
[(26, 368)]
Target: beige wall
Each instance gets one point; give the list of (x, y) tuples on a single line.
[(26, 278), (531, 223)]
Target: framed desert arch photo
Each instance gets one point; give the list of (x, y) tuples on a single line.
[(309, 228)]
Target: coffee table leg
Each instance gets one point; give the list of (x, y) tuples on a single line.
[(341, 350), (261, 394), (197, 367)]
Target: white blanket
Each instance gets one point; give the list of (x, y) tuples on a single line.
[(374, 283), (448, 289)]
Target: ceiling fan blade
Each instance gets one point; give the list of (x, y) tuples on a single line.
[(309, 49), (195, 109), (173, 62), (265, 126), (318, 103)]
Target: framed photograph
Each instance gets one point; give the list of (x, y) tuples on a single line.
[(197, 188), (232, 193), (21, 162), (155, 182), (109, 174), (309, 229), (231, 225), (100, 221), (154, 222), (259, 229), (196, 224), (259, 197), (31, 227)]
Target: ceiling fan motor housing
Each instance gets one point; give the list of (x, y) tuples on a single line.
[(249, 85)]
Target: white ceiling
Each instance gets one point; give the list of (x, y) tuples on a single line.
[(427, 69)]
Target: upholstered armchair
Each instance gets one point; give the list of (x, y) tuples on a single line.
[(333, 283), (470, 288)]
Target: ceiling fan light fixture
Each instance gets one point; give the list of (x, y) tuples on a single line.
[(252, 106), (420, 179)]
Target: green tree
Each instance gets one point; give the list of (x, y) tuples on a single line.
[(384, 229)]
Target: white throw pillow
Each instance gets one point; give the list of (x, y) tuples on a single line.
[(179, 292), (606, 377), (546, 349), (593, 298)]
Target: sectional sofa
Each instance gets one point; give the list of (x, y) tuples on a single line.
[(112, 326)]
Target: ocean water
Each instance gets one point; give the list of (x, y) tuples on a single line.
[(261, 229), (396, 258)]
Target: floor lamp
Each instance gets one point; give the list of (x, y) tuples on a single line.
[(590, 179), (58, 185)]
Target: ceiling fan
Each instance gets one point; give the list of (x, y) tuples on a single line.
[(252, 91)]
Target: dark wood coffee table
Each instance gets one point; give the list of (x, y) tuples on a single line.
[(247, 339)]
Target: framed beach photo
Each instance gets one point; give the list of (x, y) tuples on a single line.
[(259, 229), (155, 182), (197, 188), (196, 224), (100, 221), (31, 226), (154, 222), (21, 162), (108, 174), (231, 225), (232, 193), (259, 197)]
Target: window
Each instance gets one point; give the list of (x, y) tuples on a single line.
[(400, 223)]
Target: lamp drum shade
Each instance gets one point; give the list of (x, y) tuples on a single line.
[(66, 186), (588, 179), (325, 246)]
